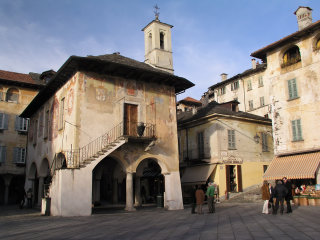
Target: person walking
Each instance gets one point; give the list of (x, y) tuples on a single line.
[(22, 196), (289, 197), (199, 199), (265, 197), (210, 194), (280, 192)]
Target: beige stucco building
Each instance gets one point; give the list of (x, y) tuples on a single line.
[(104, 132), (16, 92), (223, 144), (293, 72)]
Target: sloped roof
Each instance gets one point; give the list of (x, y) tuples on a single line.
[(14, 78), (111, 64), (214, 108), (259, 68), (190, 100), (261, 53)]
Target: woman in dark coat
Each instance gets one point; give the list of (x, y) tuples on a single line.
[(280, 192)]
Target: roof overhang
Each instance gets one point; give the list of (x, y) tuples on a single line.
[(89, 64)]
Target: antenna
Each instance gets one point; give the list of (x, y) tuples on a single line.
[(156, 12)]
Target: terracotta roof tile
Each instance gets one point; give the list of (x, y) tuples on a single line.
[(17, 77)]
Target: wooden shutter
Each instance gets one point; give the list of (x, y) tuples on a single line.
[(2, 154), (239, 178), (1, 120), (6, 121), (294, 132), (228, 178), (16, 155), (299, 132)]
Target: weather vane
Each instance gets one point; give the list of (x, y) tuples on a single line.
[(156, 12)]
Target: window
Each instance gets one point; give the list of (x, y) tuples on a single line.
[(19, 155), (1, 94), (200, 145), (3, 154), (292, 87), (21, 124), (222, 90), (260, 81), (161, 40), (264, 138), (61, 120), (249, 85), (261, 101), (234, 85), (12, 95), (296, 130), (265, 167), (318, 44), (231, 139), (291, 56), (46, 124), (3, 121), (251, 105), (150, 42)]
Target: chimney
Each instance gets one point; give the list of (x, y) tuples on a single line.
[(254, 64), (224, 76), (304, 17)]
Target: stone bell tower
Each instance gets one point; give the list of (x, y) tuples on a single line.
[(157, 41)]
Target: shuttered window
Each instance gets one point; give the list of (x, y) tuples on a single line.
[(19, 155), (292, 88), (231, 139), (264, 138), (261, 101), (251, 105), (296, 130), (249, 85), (4, 118), (3, 154), (21, 124), (260, 81)]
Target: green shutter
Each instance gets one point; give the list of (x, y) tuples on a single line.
[(299, 132), (294, 132), (290, 89), (294, 88)]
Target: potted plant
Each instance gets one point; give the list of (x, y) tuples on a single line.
[(140, 128)]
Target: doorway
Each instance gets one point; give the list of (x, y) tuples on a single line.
[(130, 119)]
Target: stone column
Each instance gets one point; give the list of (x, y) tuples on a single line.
[(129, 193), (40, 190), (137, 202), (7, 181)]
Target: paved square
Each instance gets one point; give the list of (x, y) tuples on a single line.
[(231, 221)]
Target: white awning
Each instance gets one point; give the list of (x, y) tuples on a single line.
[(197, 174)]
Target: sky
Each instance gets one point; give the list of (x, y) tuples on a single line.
[(209, 37)]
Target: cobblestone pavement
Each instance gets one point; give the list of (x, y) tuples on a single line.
[(231, 221)]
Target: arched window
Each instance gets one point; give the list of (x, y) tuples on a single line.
[(291, 56), (150, 42), (161, 40), (318, 44), (12, 95)]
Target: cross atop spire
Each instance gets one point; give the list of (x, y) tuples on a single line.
[(156, 12)]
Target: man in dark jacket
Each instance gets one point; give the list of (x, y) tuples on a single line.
[(289, 197), (280, 192)]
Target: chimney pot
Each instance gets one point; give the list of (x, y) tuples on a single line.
[(224, 76), (304, 17), (254, 64)]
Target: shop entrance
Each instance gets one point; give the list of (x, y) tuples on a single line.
[(233, 178)]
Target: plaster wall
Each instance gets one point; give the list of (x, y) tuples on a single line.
[(305, 107), (11, 138)]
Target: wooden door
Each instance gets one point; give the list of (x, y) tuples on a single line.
[(130, 119), (228, 177), (239, 178)]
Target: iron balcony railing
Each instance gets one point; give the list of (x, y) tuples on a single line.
[(75, 158)]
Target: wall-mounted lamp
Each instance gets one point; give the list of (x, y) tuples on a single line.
[(256, 138)]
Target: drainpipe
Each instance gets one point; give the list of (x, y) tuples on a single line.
[(187, 143)]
